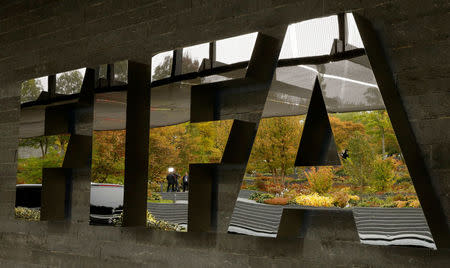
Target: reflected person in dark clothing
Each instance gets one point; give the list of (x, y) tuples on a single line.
[(171, 182), (344, 154), (185, 182), (175, 182)]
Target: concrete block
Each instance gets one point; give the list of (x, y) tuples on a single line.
[(12, 225), (440, 156), (427, 106), (17, 264), (101, 233), (13, 8), (218, 259), (9, 116), (8, 142), (8, 183), (9, 103), (200, 197), (128, 250), (402, 10), (187, 240), (10, 129), (8, 156), (260, 246), (6, 209), (212, 196), (37, 241), (56, 194), (17, 239), (442, 182), (98, 10), (318, 224), (16, 253), (56, 259), (427, 30), (62, 227), (62, 243), (8, 195), (432, 131), (421, 56), (8, 169), (278, 262)]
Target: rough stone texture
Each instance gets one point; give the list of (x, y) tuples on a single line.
[(38, 38), (318, 224), (417, 42), (89, 246), (9, 130)]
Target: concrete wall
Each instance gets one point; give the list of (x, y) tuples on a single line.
[(88, 246), (416, 39), (38, 38)]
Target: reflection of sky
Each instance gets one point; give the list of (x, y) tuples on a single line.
[(307, 38), (235, 49), (159, 58), (353, 34), (347, 85), (310, 38), (197, 52)]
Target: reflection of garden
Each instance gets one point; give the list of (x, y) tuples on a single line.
[(373, 175), (367, 178), (328, 187)]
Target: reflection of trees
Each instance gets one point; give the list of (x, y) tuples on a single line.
[(329, 101), (373, 97), (69, 82), (337, 102), (163, 70), (66, 83), (321, 69), (30, 90), (276, 146), (372, 100), (380, 128), (121, 71), (189, 64)]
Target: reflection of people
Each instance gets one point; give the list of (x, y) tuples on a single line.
[(176, 177), (345, 154), (171, 180), (185, 182)]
